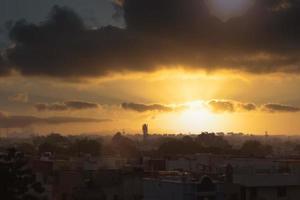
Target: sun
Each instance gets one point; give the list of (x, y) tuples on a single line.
[(196, 116)]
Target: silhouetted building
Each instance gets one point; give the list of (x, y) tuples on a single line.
[(145, 132)]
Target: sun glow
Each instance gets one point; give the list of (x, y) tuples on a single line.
[(196, 116)]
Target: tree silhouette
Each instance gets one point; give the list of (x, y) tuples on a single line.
[(255, 148), (86, 146), (124, 146)]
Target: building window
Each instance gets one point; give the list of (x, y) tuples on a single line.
[(281, 192)]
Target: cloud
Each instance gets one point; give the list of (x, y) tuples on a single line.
[(138, 107), (2, 114), (24, 121), (273, 108), (65, 48), (247, 106), (51, 107), (282, 5), (4, 70), (79, 105), (215, 106), (20, 97), (68, 105), (221, 106), (161, 33), (144, 108), (226, 10)]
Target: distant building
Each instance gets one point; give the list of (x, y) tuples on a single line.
[(181, 188), (126, 184), (145, 132)]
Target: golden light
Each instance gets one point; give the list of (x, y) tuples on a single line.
[(196, 117)]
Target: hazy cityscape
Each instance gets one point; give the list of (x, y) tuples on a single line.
[(149, 100), (151, 166)]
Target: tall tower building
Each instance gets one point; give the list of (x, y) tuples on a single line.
[(145, 132)]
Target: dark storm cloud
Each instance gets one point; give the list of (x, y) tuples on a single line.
[(24, 121), (237, 43), (4, 70), (273, 108), (63, 47), (68, 105), (160, 33)]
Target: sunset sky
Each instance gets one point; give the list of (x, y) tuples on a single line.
[(85, 66)]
